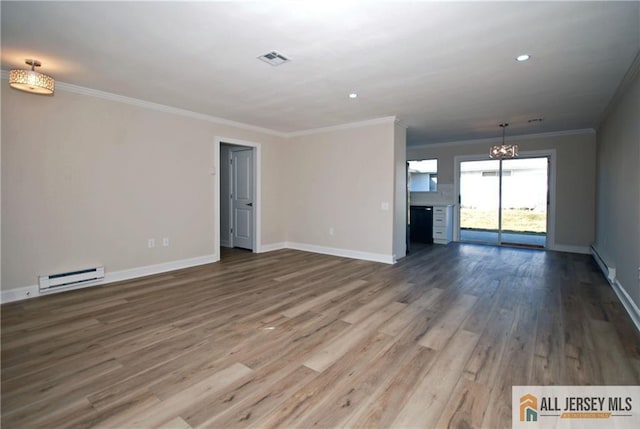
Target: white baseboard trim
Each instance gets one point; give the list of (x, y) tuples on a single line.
[(148, 270), (585, 250), (271, 247), (33, 291), (18, 294), (345, 253), (627, 303), (601, 263), (623, 296)]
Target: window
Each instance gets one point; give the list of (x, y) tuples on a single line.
[(423, 175)]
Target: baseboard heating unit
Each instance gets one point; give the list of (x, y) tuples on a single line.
[(71, 278)]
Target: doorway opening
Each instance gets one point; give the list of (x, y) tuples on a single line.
[(238, 205), (422, 182), (505, 202)]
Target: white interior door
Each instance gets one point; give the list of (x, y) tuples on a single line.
[(242, 198)]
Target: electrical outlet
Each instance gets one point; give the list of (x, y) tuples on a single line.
[(384, 206), (165, 242), (151, 243), (331, 231)]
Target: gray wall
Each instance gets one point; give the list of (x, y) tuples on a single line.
[(338, 180), (91, 180), (618, 189)]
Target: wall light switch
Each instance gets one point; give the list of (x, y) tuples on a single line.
[(151, 243), (165, 242)]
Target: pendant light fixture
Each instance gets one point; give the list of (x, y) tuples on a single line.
[(503, 151), (31, 80)]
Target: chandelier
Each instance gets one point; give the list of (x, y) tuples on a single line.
[(503, 151)]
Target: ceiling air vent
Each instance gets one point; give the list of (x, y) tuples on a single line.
[(274, 58)]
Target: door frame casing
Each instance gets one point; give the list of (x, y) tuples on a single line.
[(257, 187), (551, 208)]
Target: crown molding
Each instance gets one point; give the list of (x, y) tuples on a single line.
[(76, 89), (492, 140), (350, 125), (163, 108)]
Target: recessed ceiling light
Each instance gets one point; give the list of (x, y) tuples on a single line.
[(523, 57), (353, 95)]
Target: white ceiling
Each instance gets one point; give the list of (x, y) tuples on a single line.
[(446, 69)]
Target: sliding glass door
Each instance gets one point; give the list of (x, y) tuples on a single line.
[(479, 201), (504, 202), (524, 201)]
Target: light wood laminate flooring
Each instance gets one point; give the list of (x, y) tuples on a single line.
[(293, 339)]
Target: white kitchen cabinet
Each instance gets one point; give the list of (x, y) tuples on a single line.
[(442, 224)]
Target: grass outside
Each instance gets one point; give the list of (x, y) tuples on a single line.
[(512, 220)]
